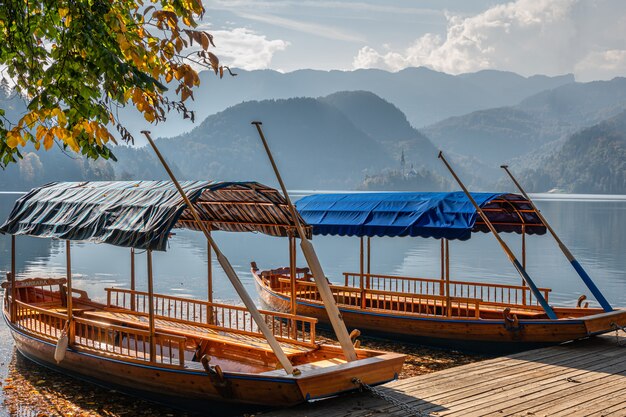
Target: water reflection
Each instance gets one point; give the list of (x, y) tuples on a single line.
[(592, 229)]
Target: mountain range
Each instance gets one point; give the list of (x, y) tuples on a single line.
[(423, 95), (534, 122), (318, 143), (359, 139)]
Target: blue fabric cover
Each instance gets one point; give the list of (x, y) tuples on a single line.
[(439, 215)]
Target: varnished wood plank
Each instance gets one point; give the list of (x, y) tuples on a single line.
[(530, 383), (604, 397), (523, 399), (482, 367), (548, 403), (613, 407), (520, 370)]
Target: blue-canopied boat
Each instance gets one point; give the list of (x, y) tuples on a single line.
[(169, 348), (434, 310)]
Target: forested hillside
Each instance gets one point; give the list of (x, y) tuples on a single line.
[(357, 139), (592, 160), (497, 135), (316, 146)]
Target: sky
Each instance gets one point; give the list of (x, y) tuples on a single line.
[(551, 37)]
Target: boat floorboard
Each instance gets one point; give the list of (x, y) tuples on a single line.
[(200, 332), (583, 378)]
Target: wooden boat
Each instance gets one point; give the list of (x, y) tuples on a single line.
[(433, 310), (174, 349)]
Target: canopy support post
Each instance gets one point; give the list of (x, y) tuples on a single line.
[(443, 269), (70, 298), (228, 269), (520, 269), (292, 273), (361, 272), (132, 279), (570, 257), (13, 288), (523, 247), (209, 252), (447, 250), (369, 262), (151, 307), (524, 262), (316, 268)]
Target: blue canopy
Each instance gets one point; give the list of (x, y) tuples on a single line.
[(439, 215)]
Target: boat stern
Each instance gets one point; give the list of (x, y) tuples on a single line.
[(331, 377), (605, 322)]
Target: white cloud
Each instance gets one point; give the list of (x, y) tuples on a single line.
[(602, 64), (243, 48), (587, 37)]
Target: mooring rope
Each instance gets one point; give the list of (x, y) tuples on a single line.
[(617, 328), (411, 411)]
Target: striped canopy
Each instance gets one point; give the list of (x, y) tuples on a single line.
[(141, 214)]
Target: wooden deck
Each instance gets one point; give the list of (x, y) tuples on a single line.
[(585, 378)]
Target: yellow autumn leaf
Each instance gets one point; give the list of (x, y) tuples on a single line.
[(60, 115), (48, 140), (41, 130), (137, 96), (28, 119), (71, 143), (88, 128), (63, 12), (11, 139), (20, 139), (127, 93), (149, 116)]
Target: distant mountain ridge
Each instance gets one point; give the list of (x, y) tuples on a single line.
[(315, 143), (501, 134), (424, 95), (593, 160), (569, 138)]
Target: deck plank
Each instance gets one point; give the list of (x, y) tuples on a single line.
[(586, 378)]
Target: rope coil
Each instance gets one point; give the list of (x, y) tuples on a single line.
[(411, 411)]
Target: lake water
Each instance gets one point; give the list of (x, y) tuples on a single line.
[(593, 227)]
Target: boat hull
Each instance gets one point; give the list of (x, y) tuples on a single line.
[(193, 389), (171, 386), (479, 335)]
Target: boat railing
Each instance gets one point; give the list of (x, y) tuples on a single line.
[(129, 342), (101, 338), (223, 317), (491, 294), (369, 299), (39, 321)]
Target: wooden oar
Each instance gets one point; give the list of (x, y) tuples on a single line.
[(570, 257), (228, 269), (316, 267), (520, 269)]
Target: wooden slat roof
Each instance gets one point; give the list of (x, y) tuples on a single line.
[(141, 214)]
